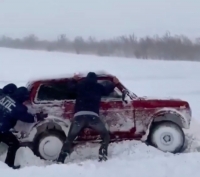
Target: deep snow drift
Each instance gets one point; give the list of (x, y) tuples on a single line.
[(126, 160), (130, 158)]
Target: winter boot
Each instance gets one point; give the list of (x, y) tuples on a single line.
[(103, 154), (16, 167), (62, 157)]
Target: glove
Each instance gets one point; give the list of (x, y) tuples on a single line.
[(41, 116)]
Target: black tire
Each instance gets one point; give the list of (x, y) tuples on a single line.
[(49, 133), (167, 132)]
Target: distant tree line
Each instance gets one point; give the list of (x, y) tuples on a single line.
[(165, 47)]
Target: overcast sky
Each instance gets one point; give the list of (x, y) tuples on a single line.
[(99, 18)]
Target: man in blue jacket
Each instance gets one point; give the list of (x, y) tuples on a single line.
[(86, 112), (12, 110)]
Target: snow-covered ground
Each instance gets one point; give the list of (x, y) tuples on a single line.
[(126, 159)]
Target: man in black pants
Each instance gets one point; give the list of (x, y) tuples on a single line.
[(12, 110), (86, 112)]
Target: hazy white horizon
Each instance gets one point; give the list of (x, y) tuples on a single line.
[(102, 19)]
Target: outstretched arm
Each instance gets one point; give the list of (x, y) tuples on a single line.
[(72, 84), (108, 89), (22, 114), (27, 117)]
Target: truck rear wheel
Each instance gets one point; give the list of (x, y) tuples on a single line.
[(48, 144)]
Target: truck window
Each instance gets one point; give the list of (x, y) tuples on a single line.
[(54, 91), (59, 91)]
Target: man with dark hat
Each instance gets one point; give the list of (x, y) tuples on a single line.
[(86, 112), (12, 109)]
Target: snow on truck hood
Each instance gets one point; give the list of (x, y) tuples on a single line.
[(162, 102), (160, 98)]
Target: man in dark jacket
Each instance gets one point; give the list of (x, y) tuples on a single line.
[(86, 113), (12, 110)]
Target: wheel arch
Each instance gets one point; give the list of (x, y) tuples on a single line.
[(49, 124), (169, 116)]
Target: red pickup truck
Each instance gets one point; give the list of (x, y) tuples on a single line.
[(159, 122)]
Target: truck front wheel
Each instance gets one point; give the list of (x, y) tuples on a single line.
[(167, 136)]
